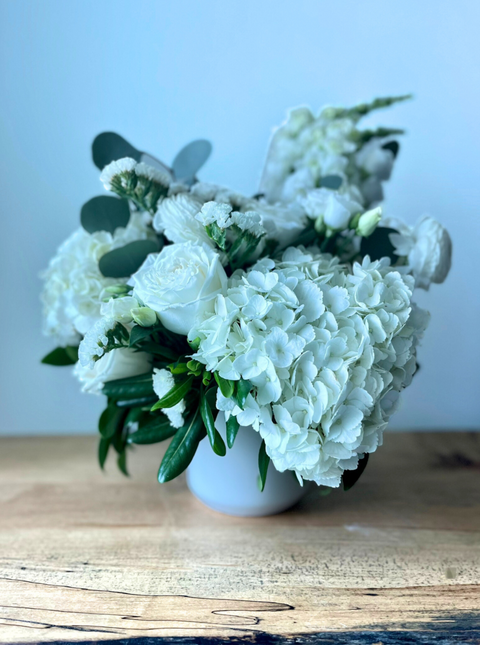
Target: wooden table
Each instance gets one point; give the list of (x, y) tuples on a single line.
[(87, 556)]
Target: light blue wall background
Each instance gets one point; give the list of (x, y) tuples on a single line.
[(163, 73)]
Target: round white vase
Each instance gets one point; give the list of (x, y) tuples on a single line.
[(229, 484)]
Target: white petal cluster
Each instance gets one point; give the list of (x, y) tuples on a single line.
[(224, 217), (94, 342), (327, 349), (73, 284), (333, 208), (176, 219), (163, 382), (426, 247), (118, 363), (122, 167)]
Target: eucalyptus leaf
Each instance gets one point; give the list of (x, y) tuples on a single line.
[(61, 356), (351, 477), (104, 213), (378, 245), (232, 430), (216, 441), (133, 387), (331, 181), (154, 431), (263, 463), (190, 159), (175, 395), (123, 262), (110, 146), (182, 448)]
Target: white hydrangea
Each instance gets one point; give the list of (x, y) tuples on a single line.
[(326, 347), (73, 284), (163, 382), (427, 248)]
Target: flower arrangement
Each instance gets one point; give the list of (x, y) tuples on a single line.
[(290, 311)]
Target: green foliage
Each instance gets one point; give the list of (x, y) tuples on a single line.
[(133, 387), (226, 387), (378, 245), (124, 261), (393, 146), (362, 136), (331, 181), (242, 390), (109, 146), (190, 159), (232, 430), (358, 111), (351, 477), (217, 234), (104, 213), (61, 356), (111, 421), (103, 447), (175, 395), (182, 448), (122, 462), (156, 430), (263, 463), (216, 441)]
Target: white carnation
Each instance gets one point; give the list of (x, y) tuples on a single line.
[(176, 219), (73, 284), (163, 382)]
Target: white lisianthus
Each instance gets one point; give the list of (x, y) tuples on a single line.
[(176, 219), (331, 207), (368, 222), (427, 247), (73, 284), (119, 309), (163, 382), (118, 363), (179, 283)]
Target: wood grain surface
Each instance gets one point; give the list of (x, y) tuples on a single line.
[(88, 556)]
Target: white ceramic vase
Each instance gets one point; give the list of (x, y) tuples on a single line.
[(229, 484)]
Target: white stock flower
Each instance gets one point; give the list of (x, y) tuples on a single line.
[(163, 382), (427, 247), (118, 363), (73, 284), (179, 283), (176, 219)]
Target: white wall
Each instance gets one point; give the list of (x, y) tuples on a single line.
[(163, 73)]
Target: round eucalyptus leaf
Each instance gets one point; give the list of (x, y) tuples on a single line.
[(122, 262), (190, 159), (110, 146), (155, 163), (104, 213), (331, 181), (393, 146)]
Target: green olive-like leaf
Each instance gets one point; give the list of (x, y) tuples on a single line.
[(182, 448)]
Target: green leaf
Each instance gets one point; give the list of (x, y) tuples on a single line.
[(140, 402), (160, 350), (103, 447), (378, 245), (122, 462), (331, 181), (263, 462), (226, 387), (155, 431), (104, 213), (175, 395), (232, 430), (216, 441), (182, 448), (61, 356), (178, 368), (365, 108), (133, 387), (190, 159), (393, 146), (109, 146), (111, 421), (351, 477), (139, 333), (242, 390), (123, 262)]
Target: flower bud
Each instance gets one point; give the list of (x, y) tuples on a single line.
[(118, 289), (144, 316), (368, 222), (320, 225)]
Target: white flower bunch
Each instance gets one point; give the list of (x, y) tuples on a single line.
[(326, 351), (290, 311)]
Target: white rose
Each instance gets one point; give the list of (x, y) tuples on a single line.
[(428, 247), (176, 219), (179, 283), (118, 363)]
